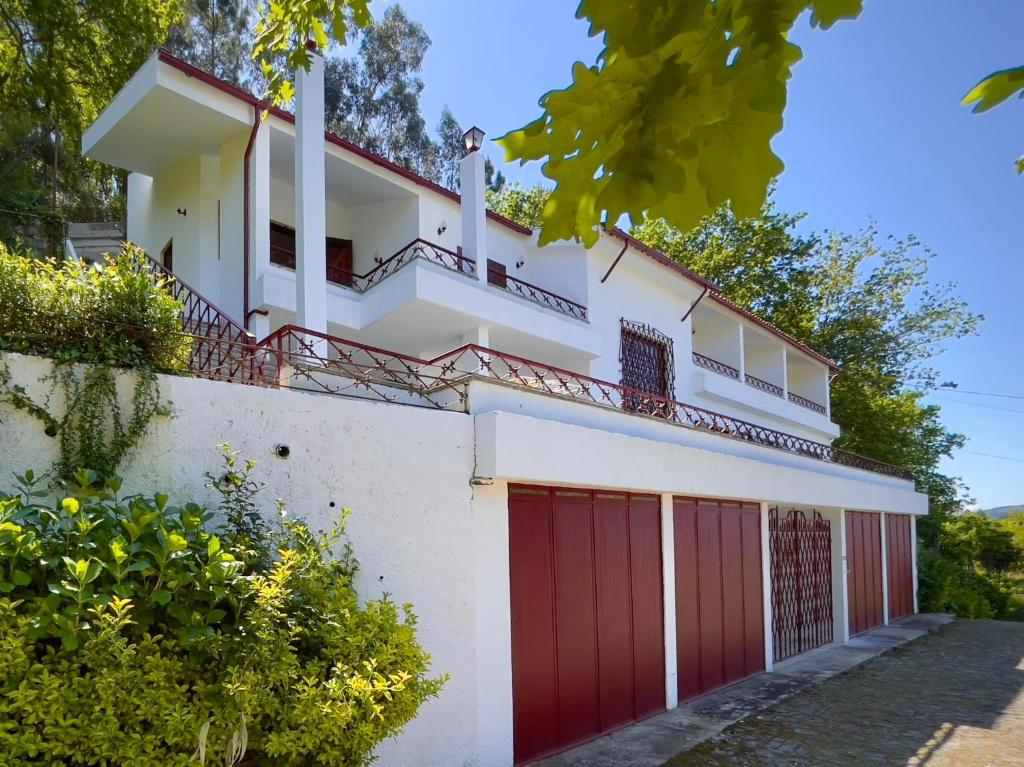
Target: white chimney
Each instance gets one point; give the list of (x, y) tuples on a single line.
[(310, 196), (474, 208)]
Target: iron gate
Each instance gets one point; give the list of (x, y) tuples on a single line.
[(801, 569)]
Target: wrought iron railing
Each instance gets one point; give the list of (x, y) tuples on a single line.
[(416, 250), (221, 347), (762, 385), (536, 294), (804, 402), (715, 366), (284, 257)]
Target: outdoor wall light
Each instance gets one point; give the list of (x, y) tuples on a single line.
[(282, 451), (182, 212), (443, 228), (473, 139), (481, 481)]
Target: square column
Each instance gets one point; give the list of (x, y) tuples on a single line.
[(310, 198), (885, 570), (913, 558), (668, 590), (840, 574)]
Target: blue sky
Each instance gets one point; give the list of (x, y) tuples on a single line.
[(874, 129)]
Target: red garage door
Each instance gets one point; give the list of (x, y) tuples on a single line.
[(899, 565), (588, 652), (864, 570), (719, 597)]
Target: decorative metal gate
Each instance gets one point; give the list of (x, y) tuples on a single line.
[(801, 569)]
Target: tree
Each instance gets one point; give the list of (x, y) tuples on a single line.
[(373, 98), (217, 35), (675, 117), (515, 202), (450, 150), (974, 540)]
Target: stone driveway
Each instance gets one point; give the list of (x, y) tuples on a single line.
[(954, 698)]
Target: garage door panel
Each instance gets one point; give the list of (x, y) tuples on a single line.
[(753, 593), (684, 523), (615, 635), (533, 632), (864, 570), (586, 593), (733, 634), (576, 621), (900, 552), (709, 575), (648, 605)]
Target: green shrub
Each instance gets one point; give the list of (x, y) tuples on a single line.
[(947, 585), (114, 314), (134, 631)]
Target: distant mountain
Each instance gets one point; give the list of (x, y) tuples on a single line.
[(999, 512)]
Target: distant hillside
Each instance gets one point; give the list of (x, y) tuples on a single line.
[(1001, 511)]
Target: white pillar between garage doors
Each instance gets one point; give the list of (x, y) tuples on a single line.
[(913, 557), (766, 589), (885, 570), (668, 589)]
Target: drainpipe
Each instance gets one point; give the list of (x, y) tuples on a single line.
[(257, 118), (694, 304)]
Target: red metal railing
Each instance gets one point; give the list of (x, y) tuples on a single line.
[(536, 294), (762, 385), (715, 366), (804, 402), (286, 258), (221, 347)]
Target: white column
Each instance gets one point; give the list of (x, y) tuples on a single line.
[(842, 614), (913, 556), (310, 197), (208, 228), (766, 589), (743, 356), (785, 373), (668, 590), (474, 212), (885, 570), (493, 625), (140, 203)]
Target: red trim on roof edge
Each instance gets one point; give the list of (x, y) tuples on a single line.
[(715, 295), (239, 93)]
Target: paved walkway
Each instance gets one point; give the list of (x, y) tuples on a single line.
[(952, 699)]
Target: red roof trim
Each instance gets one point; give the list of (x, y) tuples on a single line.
[(243, 95), (715, 295)]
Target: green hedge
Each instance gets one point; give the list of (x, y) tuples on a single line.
[(134, 631), (115, 313)]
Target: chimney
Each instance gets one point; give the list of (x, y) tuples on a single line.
[(310, 196), (474, 208)]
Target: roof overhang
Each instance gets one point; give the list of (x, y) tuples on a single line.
[(161, 116)]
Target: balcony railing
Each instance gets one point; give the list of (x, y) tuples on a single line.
[(804, 402), (293, 356), (515, 286), (761, 385), (421, 250), (715, 366)]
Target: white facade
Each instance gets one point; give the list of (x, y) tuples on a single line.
[(430, 488)]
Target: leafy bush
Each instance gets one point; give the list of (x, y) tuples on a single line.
[(135, 632), (115, 314), (947, 585)]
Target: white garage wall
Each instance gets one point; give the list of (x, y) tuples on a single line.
[(405, 473)]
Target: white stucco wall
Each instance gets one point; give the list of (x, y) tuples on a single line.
[(405, 473)]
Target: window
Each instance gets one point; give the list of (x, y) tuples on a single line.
[(647, 366), (497, 274), (167, 255), (339, 253)]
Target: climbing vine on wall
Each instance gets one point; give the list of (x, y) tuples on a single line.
[(92, 321)]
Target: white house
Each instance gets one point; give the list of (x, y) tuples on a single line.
[(642, 457)]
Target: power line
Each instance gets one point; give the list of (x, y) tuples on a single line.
[(955, 390), (993, 455), (981, 405)]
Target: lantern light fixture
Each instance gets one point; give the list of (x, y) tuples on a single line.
[(473, 139)]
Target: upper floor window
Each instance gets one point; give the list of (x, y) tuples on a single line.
[(647, 365), (339, 253)]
